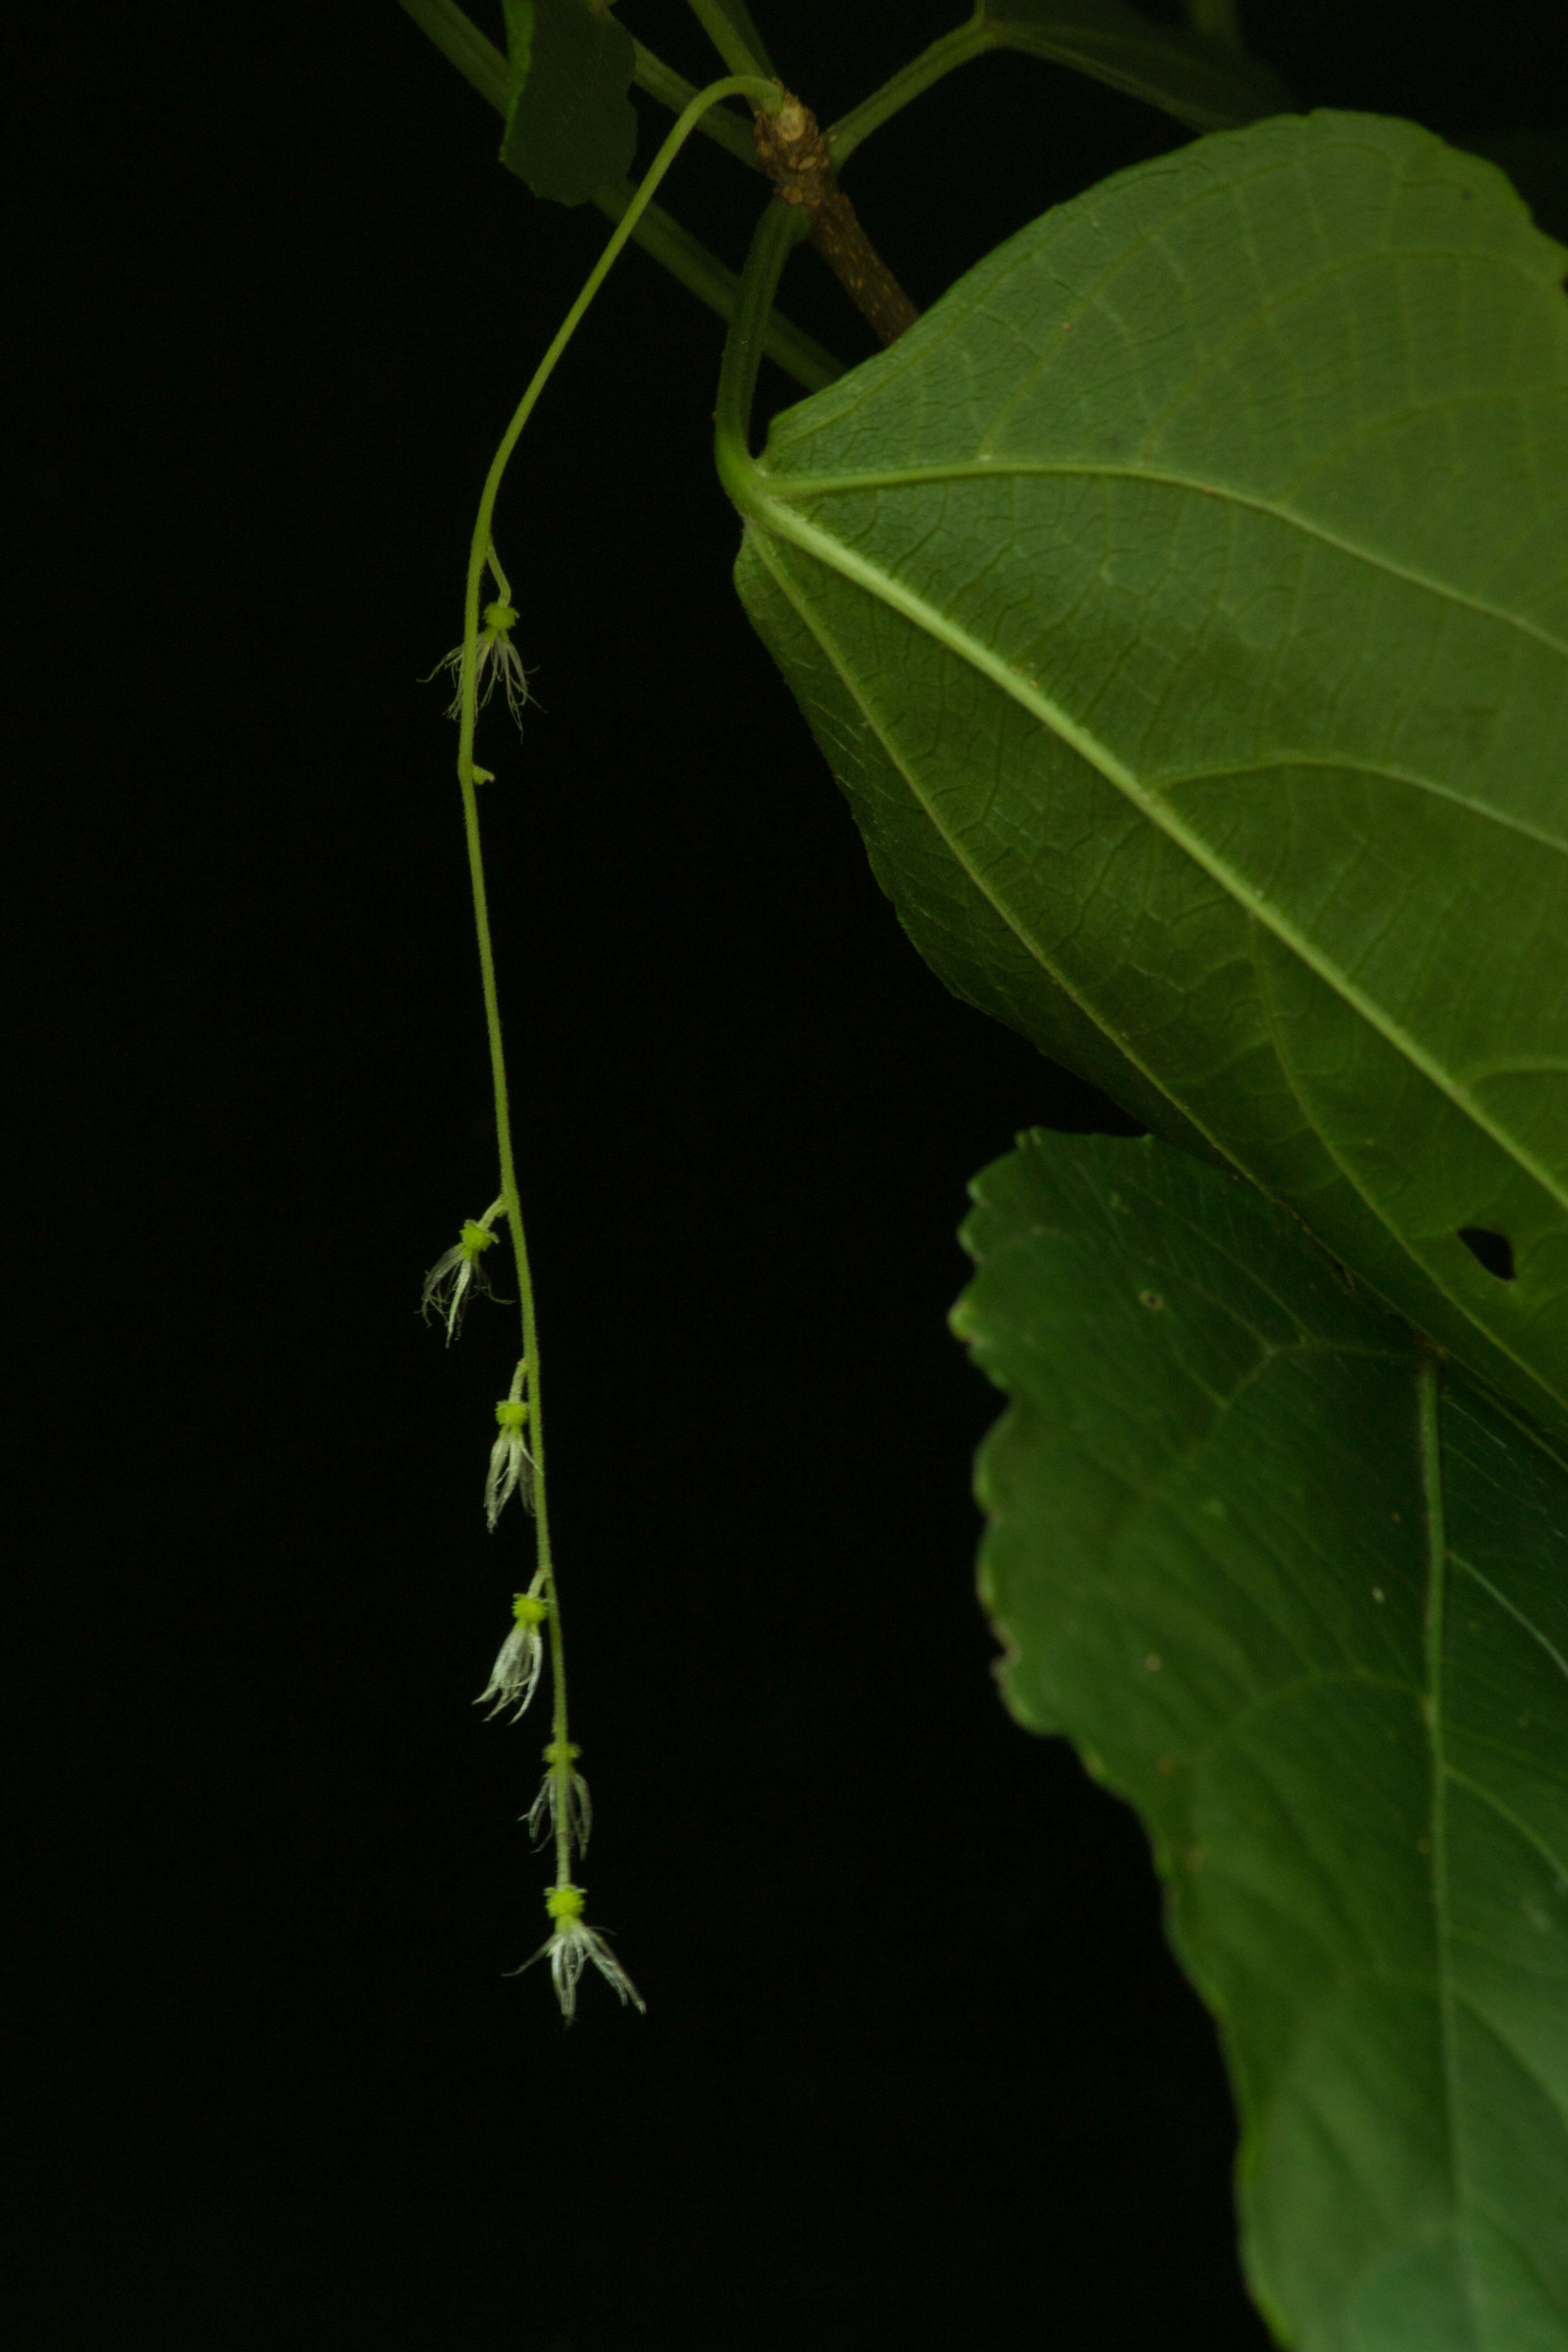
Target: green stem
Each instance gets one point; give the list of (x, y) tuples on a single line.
[(991, 28), (483, 65), (740, 15), (463, 45), (481, 554), (480, 62), (781, 229), (673, 89), (793, 349), (728, 27), (943, 58)]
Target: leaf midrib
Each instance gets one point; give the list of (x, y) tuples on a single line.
[(955, 850), (780, 489), (769, 514), (1006, 915)]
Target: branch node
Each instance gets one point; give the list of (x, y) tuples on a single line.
[(795, 156)]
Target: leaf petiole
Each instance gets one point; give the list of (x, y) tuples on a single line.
[(661, 236), (781, 229), (933, 65), (1204, 79)]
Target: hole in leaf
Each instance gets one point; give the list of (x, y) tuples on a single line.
[(1494, 1250)]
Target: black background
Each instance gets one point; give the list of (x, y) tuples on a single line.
[(918, 2069)]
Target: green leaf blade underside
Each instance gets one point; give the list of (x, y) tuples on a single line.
[(1304, 1601), (1182, 604), (570, 126), (1199, 81)]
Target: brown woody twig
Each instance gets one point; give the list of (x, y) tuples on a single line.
[(795, 158)]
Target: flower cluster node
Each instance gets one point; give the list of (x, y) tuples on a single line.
[(511, 1464), (572, 1946), (514, 1677), (495, 658), (457, 1274), (562, 1787)]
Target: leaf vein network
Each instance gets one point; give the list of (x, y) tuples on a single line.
[(872, 580), (782, 491)]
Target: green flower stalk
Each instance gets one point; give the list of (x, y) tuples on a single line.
[(485, 658)]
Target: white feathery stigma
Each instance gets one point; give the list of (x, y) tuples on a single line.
[(511, 1463), (562, 1784), (514, 1677), (572, 1946), (495, 658), (458, 1275)]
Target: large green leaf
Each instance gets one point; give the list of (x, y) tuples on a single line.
[(570, 125), (1200, 81), (1183, 606), (1536, 161), (1306, 1604)]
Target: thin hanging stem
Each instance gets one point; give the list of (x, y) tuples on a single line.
[(482, 555), (799, 356)]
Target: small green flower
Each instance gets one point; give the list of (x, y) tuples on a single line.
[(511, 1463), (514, 1677), (545, 1811), (572, 1946), (495, 656), (457, 1274)]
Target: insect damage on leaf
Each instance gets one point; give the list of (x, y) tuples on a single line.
[(1300, 1597)]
